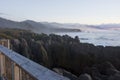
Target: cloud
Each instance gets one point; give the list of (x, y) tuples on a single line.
[(3, 14)]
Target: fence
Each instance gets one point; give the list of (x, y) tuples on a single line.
[(13, 66)]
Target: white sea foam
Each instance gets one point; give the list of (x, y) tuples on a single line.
[(103, 37)]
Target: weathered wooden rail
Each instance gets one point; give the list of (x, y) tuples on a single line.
[(13, 66)]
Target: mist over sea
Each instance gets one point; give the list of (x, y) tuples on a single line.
[(102, 37)]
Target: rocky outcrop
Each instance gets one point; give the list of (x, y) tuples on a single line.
[(104, 71), (68, 53), (85, 77), (65, 73), (114, 77)]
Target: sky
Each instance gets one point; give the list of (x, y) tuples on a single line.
[(62, 11)]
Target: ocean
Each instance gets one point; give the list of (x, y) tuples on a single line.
[(101, 37)]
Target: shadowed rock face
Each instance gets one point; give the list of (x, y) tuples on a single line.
[(53, 51), (67, 53), (84, 77), (65, 73), (114, 77)]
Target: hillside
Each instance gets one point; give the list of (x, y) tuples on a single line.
[(47, 27), (36, 27)]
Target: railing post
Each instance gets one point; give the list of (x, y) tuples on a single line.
[(8, 44), (2, 65), (16, 73), (13, 64)]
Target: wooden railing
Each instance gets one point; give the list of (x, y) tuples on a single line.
[(14, 66)]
